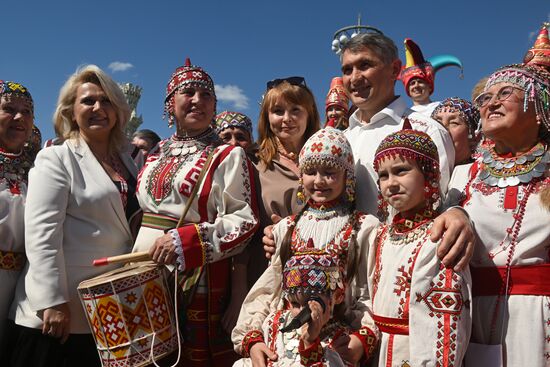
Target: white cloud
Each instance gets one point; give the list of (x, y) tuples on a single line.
[(120, 66), (232, 94)]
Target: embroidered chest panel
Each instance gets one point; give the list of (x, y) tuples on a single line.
[(160, 181)]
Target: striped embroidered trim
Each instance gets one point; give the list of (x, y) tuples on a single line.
[(158, 221), (202, 243), (12, 260)]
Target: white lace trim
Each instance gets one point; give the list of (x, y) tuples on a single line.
[(176, 242)]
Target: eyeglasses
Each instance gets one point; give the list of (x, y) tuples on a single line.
[(502, 95), (292, 80)]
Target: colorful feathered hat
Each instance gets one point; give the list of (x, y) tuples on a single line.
[(539, 54), (312, 271), (417, 67), (186, 75), (337, 95)]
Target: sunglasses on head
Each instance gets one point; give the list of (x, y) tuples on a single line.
[(292, 80)]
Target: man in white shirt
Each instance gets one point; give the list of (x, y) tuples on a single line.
[(370, 67)]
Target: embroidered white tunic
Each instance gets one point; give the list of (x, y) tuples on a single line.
[(221, 218), (421, 308), (330, 230), (520, 322), (13, 190)]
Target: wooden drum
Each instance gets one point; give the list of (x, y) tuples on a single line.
[(125, 309)]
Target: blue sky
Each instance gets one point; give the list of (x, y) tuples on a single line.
[(242, 44)]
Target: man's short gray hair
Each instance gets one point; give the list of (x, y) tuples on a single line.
[(383, 46)]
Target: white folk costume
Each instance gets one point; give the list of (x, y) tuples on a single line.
[(421, 308), (217, 226), (334, 227), (14, 169), (503, 196), (311, 272)]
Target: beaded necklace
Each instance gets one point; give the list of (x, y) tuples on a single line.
[(497, 171), (14, 168), (182, 146), (403, 231), (288, 155)]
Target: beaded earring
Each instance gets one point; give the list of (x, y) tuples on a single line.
[(350, 188), (300, 195)]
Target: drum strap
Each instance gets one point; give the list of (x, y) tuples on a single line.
[(190, 278)]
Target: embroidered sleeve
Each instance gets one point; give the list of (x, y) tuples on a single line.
[(251, 338), (227, 206), (439, 311), (313, 355), (369, 340), (264, 297)]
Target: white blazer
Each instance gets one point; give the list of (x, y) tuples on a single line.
[(73, 215)]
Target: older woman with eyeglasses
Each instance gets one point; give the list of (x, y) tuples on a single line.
[(506, 192)]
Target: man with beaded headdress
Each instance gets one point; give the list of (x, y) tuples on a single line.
[(16, 158), (418, 304), (506, 192), (332, 225), (311, 278), (222, 214)]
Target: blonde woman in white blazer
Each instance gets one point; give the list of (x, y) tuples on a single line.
[(79, 204)]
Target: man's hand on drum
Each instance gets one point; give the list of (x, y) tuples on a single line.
[(163, 251), (56, 322)]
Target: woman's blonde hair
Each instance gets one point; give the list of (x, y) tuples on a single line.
[(63, 117), (296, 94)]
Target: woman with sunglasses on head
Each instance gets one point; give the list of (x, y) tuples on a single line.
[(194, 170), (16, 127), (288, 117), (506, 192)]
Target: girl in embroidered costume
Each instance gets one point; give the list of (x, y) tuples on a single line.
[(421, 308), (328, 222), (16, 124), (220, 220), (505, 192), (311, 278)]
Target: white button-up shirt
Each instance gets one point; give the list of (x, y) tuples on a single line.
[(365, 138)]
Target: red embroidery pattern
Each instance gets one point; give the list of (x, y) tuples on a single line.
[(368, 339), (484, 189), (445, 302), (337, 247), (159, 183), (12, 260), (251, 338), (380, 239), (191, 177)]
